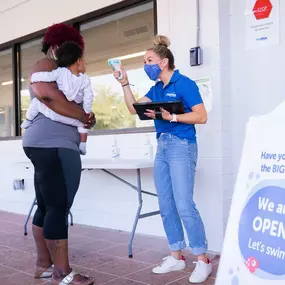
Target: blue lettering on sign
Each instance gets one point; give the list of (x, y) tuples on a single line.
[(278, 168), (262, 39), (262, 231)]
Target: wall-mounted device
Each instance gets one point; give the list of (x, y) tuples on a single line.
[(195, 56)]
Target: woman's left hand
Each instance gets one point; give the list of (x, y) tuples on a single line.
[(90, 120), (164, 114)]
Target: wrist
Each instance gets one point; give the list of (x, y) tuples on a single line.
[(126, 83), (84, 118), (170, 118), (173, 118)]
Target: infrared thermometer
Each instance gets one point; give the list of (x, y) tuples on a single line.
[(116, 65)]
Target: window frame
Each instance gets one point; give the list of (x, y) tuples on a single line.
[(13, 123), (76, 22)]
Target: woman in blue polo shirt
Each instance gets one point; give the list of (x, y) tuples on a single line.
[(175, 162)]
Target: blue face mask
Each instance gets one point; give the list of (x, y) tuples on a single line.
[(152, 70)]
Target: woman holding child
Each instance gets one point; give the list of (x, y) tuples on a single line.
[(53, 148)]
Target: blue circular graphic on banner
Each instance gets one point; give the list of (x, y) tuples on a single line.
[(262, 232)]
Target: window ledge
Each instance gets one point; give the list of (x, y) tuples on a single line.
[(141, 130)]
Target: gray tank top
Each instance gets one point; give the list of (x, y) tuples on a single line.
[(46, 133)]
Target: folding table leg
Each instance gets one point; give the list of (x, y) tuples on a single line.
[(71, 218), (138, 216), (28, 217), (139, 191)]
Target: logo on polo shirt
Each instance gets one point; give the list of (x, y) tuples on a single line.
[(172, 95)]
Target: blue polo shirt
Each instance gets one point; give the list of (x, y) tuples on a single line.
[(181, 88)]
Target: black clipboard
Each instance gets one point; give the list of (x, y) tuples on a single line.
[(173, 107)]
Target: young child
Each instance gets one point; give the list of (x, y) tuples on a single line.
[(72, 81)]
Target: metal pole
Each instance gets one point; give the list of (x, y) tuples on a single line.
[(28, 217), (130, 245), (198, 23)]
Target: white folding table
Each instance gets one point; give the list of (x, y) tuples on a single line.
[(125, 164), (120, 164)]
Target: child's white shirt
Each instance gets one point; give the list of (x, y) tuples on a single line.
[(75, 88)]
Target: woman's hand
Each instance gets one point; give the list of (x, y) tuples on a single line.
[(89, 120), (124, 79), (165, 115)]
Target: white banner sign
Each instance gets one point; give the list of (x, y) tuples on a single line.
[(254, 246), (262, 23)]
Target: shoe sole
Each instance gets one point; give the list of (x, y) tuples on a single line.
[(169, 271), (201, 281)]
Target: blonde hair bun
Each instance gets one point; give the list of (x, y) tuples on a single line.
[(161, 40)]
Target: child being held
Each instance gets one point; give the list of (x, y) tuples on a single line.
[(72, 81)]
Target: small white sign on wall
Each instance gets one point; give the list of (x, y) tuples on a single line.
[(262, 23), (254, 245), (205, 89)]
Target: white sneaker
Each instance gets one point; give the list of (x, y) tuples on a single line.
[(201, 272), (169, 264)]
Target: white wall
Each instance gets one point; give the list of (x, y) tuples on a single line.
[(257, 75), (252, 83), (35, 15), (97, 205), (226, 106)]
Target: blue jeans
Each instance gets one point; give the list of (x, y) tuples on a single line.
[(174, 175)]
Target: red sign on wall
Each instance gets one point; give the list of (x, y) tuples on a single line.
[(262, 9)]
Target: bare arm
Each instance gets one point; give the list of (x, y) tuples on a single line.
[(197, 116), (53, 98), (130, 99), (128, 94)]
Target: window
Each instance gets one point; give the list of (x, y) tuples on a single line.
[(7, 117), (125, 35), (30, 54)]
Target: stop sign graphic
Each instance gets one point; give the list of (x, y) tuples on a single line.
[(262, 9)]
